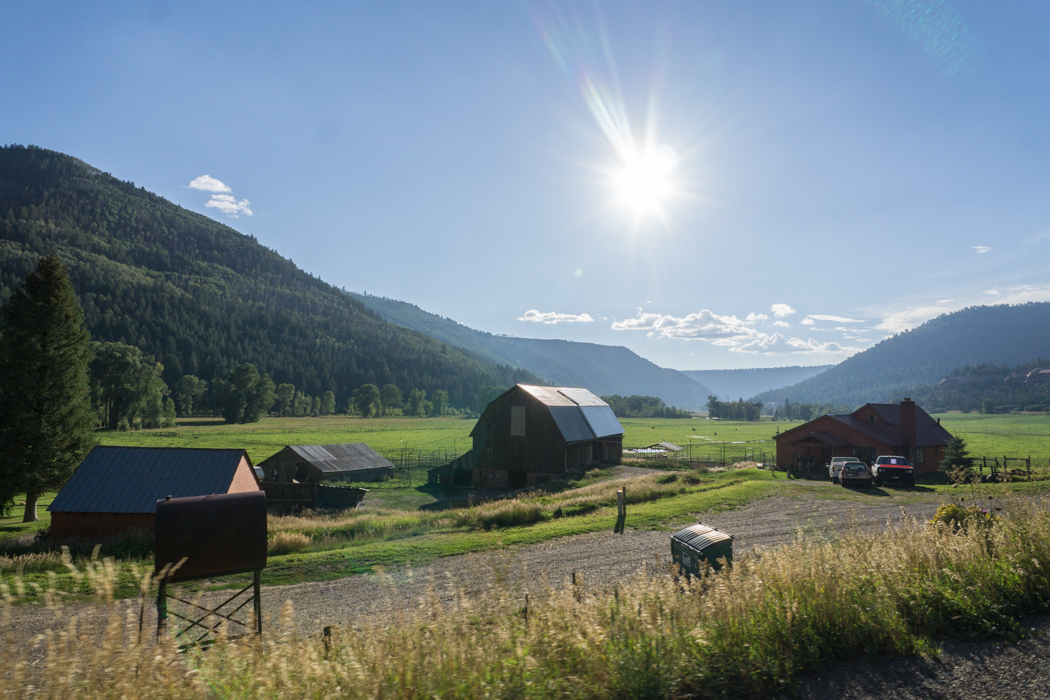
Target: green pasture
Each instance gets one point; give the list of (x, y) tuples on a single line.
[(269, 435), (14, 527), (1011, 435)]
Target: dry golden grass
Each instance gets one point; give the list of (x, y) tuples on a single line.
[(747, 630)]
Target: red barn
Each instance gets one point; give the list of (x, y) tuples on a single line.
[(873, 429), (117, 488)]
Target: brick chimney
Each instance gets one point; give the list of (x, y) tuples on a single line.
[(908, 429)]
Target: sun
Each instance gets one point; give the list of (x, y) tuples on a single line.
[(645, 182)]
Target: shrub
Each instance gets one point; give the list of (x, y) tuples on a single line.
[(958, 517), (288, 542)]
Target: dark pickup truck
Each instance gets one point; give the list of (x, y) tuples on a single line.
[(893, 468)]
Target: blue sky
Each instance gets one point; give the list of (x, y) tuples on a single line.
[(813, 178)]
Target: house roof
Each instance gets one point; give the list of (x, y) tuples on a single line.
[(578, 413), (927, 430), (133, 479), (821, 436), (345, 457)]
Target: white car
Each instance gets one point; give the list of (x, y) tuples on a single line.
[(835, 468)]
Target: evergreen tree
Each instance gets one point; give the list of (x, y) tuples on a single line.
[(46, 420), (957, 461)]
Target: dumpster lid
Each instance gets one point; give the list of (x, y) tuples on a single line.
[(700, 537)]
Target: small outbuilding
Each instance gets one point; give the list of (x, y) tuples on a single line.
[(116, 489), (353, 461), (530, 435), (873, 429)]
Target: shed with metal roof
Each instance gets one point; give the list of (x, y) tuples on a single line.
[(530, 435), (352, 461), (117, 488)]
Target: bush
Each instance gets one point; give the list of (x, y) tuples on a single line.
[(960, 518), (288, 542)]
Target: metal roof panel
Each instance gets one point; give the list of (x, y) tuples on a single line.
[(547, 395), (571, 423), (581, 397), (601, 420), (700, 537), (133, 479)]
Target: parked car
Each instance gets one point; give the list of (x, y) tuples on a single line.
[(893, 468), (836, 466), (855, 473)]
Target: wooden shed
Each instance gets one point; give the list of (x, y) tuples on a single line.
[(354, 461), (530, 435), (117, 488)]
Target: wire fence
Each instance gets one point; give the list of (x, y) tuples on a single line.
[(411, 465)]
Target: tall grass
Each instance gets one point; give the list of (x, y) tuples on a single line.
[(748, 630)]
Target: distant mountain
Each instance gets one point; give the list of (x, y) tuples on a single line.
[(604, 369), (733, 384), (1002, 334), (201, 297)]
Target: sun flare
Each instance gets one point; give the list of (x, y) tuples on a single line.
[(645, 182)]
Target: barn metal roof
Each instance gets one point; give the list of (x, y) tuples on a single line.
[(668, 446), (602, 420), (571, 423), (580, 414), (133, 479), (549, 395), (700, 537), (345, 457)]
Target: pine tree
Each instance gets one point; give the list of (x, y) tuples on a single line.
[(957, 461), (46, 421)]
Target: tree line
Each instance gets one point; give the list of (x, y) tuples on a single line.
[(807, 411), (642, 407), (733, 410)]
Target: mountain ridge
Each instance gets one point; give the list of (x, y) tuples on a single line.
[(202, 297), (604, 369), (999, 334)]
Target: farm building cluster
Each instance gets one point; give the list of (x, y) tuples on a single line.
[(526, 437)]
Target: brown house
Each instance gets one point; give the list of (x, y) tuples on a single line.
[(873, 429), (353, 461), (117, 488), (530, 435)]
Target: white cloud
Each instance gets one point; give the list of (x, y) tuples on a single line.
[(808, 322), (913, 317), (208, 184), (836, 319), (705, 325), (228, 204), (552, 317), (753, 317), (1022, 294), (728, 332), (782, 310), (781, 324), (979, 249)]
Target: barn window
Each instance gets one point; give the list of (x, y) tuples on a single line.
[(517, 420)]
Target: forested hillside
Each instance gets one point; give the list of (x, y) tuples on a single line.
[(1002, 334), (604, 369), (201, 297), (990, 388)]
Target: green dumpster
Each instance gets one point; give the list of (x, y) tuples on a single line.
[(693, 548)]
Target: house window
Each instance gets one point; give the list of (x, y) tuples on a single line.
[(918, 455), (871, 418), (517, 420)]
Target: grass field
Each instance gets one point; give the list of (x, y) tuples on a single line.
[(1012, 435)]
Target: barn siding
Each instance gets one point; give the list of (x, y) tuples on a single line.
[(98, 524)]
